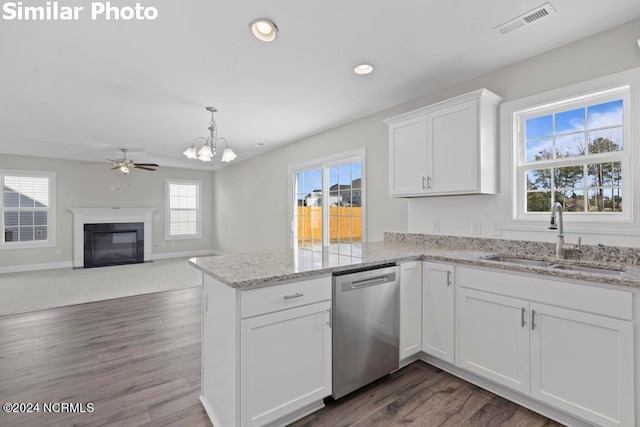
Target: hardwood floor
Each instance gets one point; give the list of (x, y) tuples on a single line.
[(137, 360), (422, 395)]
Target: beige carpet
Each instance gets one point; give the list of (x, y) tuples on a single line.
[(38, 290)]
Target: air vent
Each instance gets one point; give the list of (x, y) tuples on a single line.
[(528, 18)]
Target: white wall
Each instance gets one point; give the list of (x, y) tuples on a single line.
[(605, 53), (251, 196), (89, 186), (251, 205)]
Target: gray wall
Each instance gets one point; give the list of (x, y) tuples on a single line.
[(251, 196), (89, 186)]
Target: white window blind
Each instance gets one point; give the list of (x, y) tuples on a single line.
[(183, 209), (26, 209)]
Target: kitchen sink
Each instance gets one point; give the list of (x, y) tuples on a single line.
[(553, 264), (586, 269), (521, 260)]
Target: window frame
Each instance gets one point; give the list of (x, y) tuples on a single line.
[(323, 164), (51, 210), (564, 99), (167, 229)]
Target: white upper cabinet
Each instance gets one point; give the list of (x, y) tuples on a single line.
[(446, 148)]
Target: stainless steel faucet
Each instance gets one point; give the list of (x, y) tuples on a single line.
[(561, 247)]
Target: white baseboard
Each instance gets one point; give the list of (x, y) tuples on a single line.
[(185, 254), (35, 267)]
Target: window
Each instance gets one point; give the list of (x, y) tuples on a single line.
[(575, 151), (183, 216), (328, 203), (27, 207)]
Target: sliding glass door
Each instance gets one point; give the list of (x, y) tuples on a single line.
[(328, 205)]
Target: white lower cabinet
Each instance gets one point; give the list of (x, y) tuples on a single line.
[(581, 363), (266, 351), (410, 308), (494, 338), (438, 315), (285, 363)]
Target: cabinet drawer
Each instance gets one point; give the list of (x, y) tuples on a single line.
[(281, 297)]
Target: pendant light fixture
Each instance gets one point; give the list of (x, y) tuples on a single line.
[(210, 145)]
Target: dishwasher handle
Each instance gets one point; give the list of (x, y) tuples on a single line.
[(369, 282), (352, 285)]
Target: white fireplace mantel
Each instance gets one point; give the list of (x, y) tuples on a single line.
[(82, 216)]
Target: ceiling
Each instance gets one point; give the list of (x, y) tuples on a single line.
[(83, 89)]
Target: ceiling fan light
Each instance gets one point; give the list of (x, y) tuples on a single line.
[(124, 169), (205, 158), (228, 155), (191, 152)]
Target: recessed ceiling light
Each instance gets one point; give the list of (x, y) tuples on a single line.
[(264, 30), (363, 69), (259, 144)]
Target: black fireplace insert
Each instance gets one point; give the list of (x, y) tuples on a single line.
[(113, 244)]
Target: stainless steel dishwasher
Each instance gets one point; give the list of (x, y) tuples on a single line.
[(366, 330)]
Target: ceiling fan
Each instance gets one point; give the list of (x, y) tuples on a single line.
[(125, 165)]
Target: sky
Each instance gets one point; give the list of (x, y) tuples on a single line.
[(311, 179), (570, 129)]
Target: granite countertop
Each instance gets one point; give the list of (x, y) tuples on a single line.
[(250, 270)]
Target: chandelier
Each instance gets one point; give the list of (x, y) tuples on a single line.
[(210, 145)]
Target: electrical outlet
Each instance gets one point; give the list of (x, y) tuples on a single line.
[(476, 227), (496, 228), (435, 225)]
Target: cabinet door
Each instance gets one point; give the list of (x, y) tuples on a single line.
[(438, 295), (408, 157), (285, 362), (452, 140), (410, 308), (494, 337), (583, 364)]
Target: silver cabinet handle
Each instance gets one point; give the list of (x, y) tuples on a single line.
[(205, 302), (448, 277), (533, 319), (296, 295), (523, 322), (330, 318), (424, 183), (428, 182)]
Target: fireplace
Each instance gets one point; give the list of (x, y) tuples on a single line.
[(113, 244), (114, 217)]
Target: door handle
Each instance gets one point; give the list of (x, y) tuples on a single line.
[(533, 319), (523, 312), (330, 318), (424, 183), (297, 295), (448, 277)]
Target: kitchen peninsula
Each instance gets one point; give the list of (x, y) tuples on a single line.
[(267, 325)]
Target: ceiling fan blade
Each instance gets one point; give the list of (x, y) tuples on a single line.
[(153, 165), (112, 161), (143, 168), (117, 167)]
